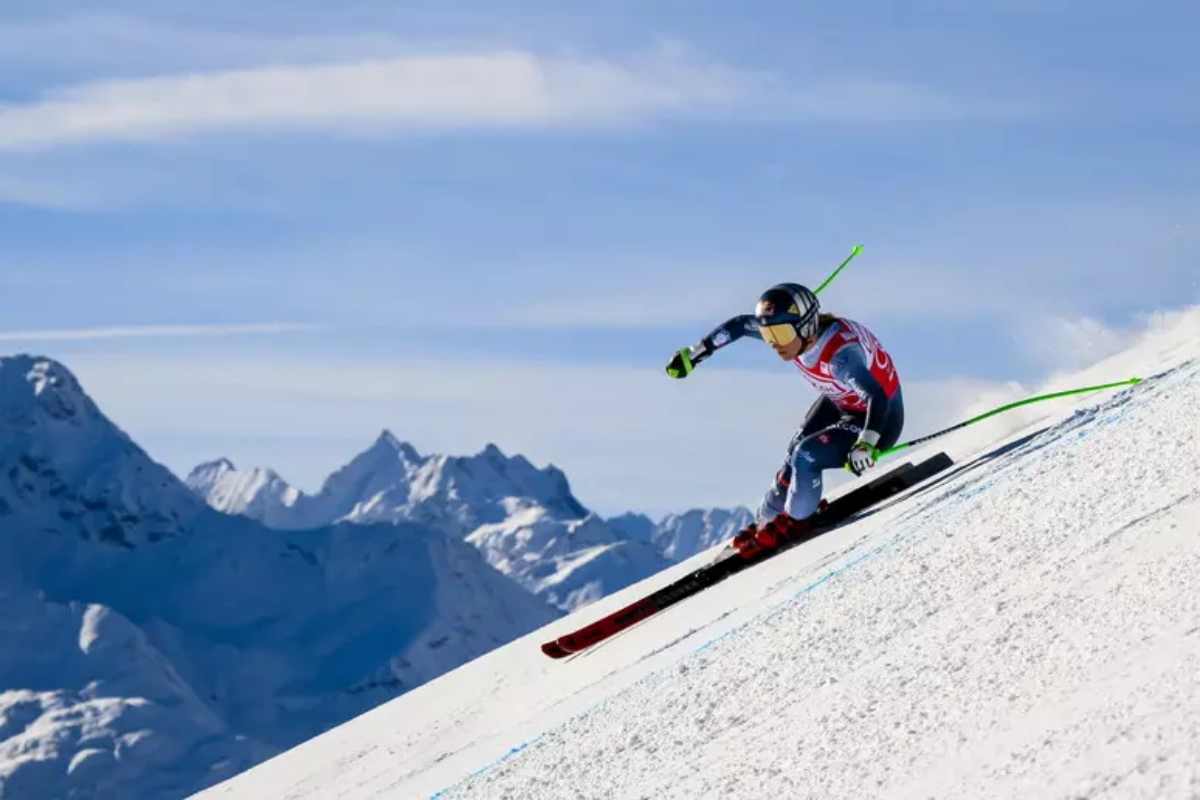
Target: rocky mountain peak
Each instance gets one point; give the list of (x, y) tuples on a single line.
[(71, 471), (210, 472), (389, 443), (35, 389)]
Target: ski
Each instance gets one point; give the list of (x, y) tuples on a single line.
[(833, 515)]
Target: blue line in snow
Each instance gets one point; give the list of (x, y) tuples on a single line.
[(820, 581), (512, 752), (807, 589)]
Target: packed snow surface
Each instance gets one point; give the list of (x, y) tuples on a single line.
[(1027, 626)]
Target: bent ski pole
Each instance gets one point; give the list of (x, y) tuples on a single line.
[(1000, 410), (858, 248)]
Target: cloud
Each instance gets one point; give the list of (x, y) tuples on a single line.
[(1075, 342), (153, 331), (498, 89), (1090, 351)]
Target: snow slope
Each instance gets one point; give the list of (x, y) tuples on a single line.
[(1027, 626), (150, 646)]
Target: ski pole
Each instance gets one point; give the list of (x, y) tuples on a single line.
[(858, 248), (1001, 409)]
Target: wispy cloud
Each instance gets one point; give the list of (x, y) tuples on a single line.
[(499, 89), (153, 331), (1066, 344), (1075, 342)]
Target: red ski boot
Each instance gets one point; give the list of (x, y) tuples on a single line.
[(755, 540), (745, 543)]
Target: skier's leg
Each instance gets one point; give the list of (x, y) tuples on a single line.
[(796, 494), (821, 415), (825, 449), (828, 449), (772, 502)]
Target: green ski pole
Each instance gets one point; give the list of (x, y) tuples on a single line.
[(858, 248), (1000, 410)]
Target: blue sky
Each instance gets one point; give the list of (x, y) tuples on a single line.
[(496, 222)]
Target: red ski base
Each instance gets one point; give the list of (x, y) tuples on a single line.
[(555, 650)]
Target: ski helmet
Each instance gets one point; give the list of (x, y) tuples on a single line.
[(787, 311)]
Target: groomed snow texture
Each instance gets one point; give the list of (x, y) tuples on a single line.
[(1029, 626)]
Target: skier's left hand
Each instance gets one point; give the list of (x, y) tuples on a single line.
[(681, 364), (862, 458)]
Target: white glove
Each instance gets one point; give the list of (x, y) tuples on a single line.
[(862, 455)]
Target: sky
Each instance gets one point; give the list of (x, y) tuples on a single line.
[(268, 231)]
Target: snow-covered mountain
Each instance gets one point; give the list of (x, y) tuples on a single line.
[(258, 493), (569, 563), (633, 526), (388, 482), (1025, 626), (70, 474), (525, 520), (151, 645), (678, 537)]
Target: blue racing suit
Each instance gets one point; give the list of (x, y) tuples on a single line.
[(860, 400)]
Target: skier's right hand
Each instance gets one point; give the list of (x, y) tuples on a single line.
[(680, 365)]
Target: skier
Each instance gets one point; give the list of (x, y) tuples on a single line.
[(860, 410)]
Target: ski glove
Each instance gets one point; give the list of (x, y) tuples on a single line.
[(680, 365), (862, 458)]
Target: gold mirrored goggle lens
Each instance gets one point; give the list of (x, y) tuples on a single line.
[(780, 335)]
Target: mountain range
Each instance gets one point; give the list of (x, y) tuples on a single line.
[(161, 635), (524, 520)]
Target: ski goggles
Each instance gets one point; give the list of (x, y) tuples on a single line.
[(780, 329)]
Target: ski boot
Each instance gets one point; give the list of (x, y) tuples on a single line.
[(744, 542), (756, 540)]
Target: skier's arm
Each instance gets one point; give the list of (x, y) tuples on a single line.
[(850, 367), (685, 360)]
